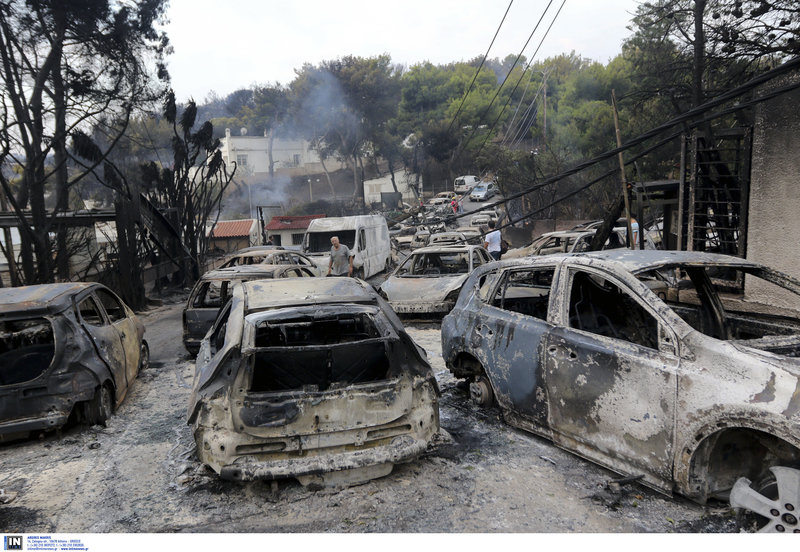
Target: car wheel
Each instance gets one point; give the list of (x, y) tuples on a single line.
[(359, 273), (100, 408), (144, 357), (775, 499), (480, 392)]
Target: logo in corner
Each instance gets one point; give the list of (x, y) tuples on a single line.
[(12, 542)]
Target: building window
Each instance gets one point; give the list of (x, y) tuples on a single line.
[(296, 158), (241, 160), (297, 239)]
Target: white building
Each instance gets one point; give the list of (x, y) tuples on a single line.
[(290, 157), (406, 184)]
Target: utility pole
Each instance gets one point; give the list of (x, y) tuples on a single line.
[(622, 172), (544, 131)]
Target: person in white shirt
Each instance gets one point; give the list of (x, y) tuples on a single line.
[(492, 243)]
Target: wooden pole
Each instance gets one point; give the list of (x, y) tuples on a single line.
[(622, 172)]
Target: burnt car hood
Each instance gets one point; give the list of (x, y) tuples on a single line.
[(425, 288)]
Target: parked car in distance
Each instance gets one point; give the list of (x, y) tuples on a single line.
[(464, 184), (420, 239), (431, 277), (314, 379), (449, 196), (483, 191), (213, 289), (479, 220), (473, 234), (271, 255), (71, 349), (690, 394), (570, 241), (447, 238)]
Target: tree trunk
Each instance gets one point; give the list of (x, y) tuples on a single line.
[(327, 176)]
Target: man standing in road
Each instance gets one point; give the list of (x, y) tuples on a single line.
[(341, 263), (492, 243)]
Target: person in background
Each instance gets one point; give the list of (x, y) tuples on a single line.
[(492, 243), (341, 263), (635, 232)]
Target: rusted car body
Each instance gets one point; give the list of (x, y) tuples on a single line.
[(313, 379), (65, 349), (429, 280), (213, 289), (271, 256), (690, 392)]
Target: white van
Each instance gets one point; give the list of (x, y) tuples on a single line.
[(366, 235), (464, 184)]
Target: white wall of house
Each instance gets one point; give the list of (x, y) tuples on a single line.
[(251, 153), (405, 181), (290, 239)]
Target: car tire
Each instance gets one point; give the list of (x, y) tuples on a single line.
[(359, 273), (144, 356), (481, 392), (100, 408)]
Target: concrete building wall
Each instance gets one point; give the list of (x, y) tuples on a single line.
[(405, 185), (291, 157), (774, 204)]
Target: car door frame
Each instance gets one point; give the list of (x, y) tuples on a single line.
[(581, 388), (107, 343), (128, 334), (497, 331)]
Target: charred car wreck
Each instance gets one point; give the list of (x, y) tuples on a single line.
[(70, 349), (692, 392), (310, 378)]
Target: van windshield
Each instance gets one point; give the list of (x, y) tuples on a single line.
[(320, 242)]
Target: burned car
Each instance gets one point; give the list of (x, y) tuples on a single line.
[(313, 379), (71, 349), (429, 280), (213, 289), (271, 255), (690, 393)]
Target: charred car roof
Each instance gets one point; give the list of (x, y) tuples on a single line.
[(244, 271), (39, 300), (268, 294)]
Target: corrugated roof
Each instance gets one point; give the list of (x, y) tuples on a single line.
[(232, 228), (299, 222)]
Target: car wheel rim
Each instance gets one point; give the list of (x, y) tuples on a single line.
[(781, 509), (480, 392)]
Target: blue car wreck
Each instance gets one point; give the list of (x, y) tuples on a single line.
[(656, 364)]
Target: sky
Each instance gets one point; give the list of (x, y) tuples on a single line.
[(225, 46)]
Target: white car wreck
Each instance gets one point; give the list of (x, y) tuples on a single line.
[(689, 392), (313, 379), (429, 280)]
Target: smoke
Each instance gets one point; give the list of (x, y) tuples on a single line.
[(244, 197)]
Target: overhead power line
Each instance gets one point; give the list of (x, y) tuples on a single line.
[(477, 72), (494, 124), (693, 118), (505, 79)]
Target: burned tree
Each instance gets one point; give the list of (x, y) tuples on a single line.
[(67, 65), (191, 191)]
